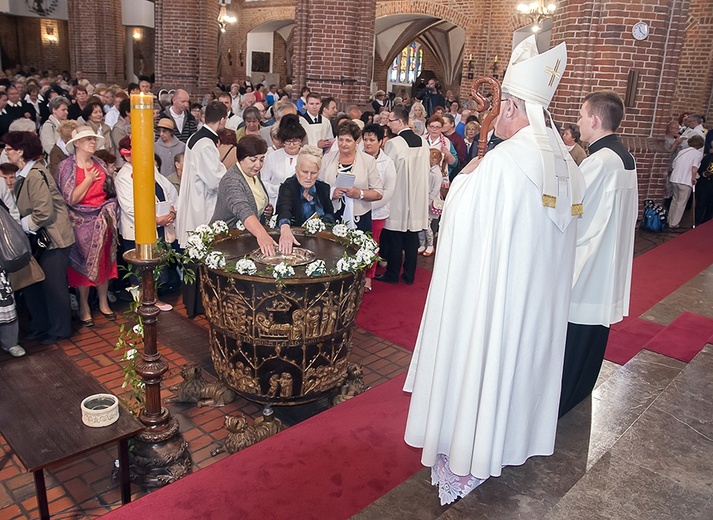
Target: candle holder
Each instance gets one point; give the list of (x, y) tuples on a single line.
[(160, 454)]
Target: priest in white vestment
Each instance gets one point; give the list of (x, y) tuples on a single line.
[(202, 171), (485, 374)]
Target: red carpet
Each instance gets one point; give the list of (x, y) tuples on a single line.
[(664, 269), (684, 337), (328, 467), (393, 312), (626, 342)]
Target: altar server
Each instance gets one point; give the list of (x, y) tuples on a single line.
[(202, 171), (605, 246), (318, 128), (486, 370)]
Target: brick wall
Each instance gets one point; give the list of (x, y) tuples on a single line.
[(602, 51), (694, 81), (24, 40), (186, 44), (96, 39), (279, 65), (349, 38)]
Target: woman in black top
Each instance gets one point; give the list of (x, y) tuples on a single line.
[(302, 196)]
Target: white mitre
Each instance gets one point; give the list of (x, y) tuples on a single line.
[(534, 77)]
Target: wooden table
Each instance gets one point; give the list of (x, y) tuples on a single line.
[(41, 419)]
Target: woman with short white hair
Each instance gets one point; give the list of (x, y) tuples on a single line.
[(302, 196)]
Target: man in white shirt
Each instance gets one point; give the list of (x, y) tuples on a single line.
[(186, 124), (694, 124), (601, 283), (234, 120), (319, 129)]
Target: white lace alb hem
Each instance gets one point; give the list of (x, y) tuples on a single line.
[(451, 486)]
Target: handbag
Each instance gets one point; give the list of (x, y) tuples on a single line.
[(15, 252), (40, 242), (28, 275)]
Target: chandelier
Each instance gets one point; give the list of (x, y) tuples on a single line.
[(538, 12), (224, 19)]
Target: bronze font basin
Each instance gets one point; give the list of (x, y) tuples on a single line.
[(281, 342)]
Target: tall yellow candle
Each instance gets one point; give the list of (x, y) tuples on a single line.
[(142, 160)]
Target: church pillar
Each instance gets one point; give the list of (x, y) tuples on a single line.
[(694, 81), (603, 54), (96, 38), (187, 44), (334, 49)]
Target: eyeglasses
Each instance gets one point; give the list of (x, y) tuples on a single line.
[(293, 141), (392, 120), (510, 99)]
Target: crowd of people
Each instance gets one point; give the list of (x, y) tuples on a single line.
[(538, 234)]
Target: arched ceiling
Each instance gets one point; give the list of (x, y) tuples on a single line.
[(444, 39)]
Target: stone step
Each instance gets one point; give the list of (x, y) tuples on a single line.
[(662, 466), (530, 491), (584, 435)]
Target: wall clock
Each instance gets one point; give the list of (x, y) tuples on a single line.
[(640, 31)]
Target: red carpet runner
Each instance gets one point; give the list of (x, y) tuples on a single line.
[(393, 312), (328, 467), (338, 462)]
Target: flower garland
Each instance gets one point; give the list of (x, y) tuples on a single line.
[(131, 341), (200, 242)]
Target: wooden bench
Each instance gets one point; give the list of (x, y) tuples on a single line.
[(41, 419)]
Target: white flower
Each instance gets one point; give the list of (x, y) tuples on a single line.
[(220, 227), (215, 260), (357, 236), (245, 266), (239, 225), (194, 240), (365, 256), (130, 354), (197, 252), (314, 225), (272, 223), (316, 268), (346, 265), (340, 230), (138, 329), (203, 229), (283, 270), (135, 292)]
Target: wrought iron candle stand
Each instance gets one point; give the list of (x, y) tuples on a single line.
[(160, 454)]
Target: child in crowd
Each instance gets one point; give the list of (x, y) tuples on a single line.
[(437, 176)]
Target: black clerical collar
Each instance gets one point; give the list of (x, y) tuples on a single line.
[(603, 142)]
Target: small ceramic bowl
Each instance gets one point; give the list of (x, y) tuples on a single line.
[(100, 410)]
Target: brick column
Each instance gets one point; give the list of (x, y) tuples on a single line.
[(602, 51), (333, 39), (97, 39), (186, 44), (694, 81)]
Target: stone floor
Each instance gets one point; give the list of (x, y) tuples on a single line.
[(84, 488)]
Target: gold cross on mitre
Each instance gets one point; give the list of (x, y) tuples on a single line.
[(555, 73)]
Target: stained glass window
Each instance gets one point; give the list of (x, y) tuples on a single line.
[(407, 65)]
